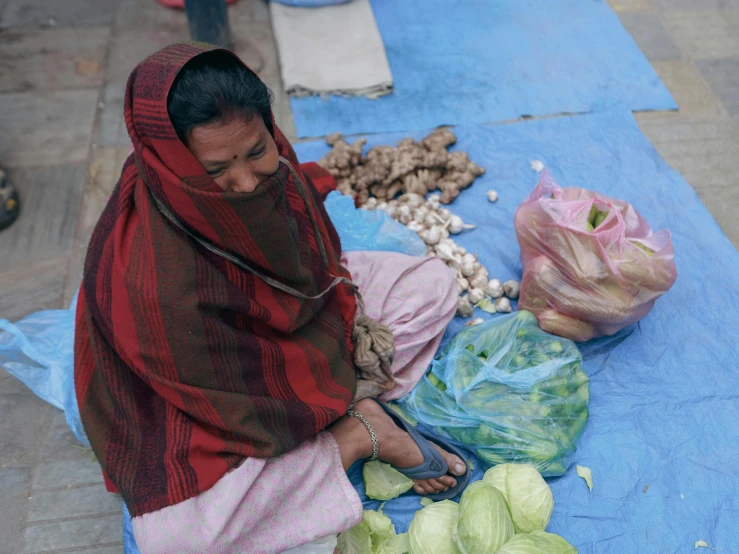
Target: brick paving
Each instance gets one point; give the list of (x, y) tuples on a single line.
[(63, 67)]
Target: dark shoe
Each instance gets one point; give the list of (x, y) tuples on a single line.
[(434, 465), (9, 202)]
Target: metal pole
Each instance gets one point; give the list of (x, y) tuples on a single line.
[(208, 21)]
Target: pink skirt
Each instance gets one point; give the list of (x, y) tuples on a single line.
[(272, 505)]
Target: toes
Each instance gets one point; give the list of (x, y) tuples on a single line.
[(427, 488), (456, 465), (447, 481), (431, 486), (437, 485)]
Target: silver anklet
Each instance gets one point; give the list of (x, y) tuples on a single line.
[(373, 436)]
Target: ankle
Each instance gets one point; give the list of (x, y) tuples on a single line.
[(353, 440), (362, 438)]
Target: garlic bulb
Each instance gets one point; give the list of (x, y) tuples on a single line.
[(462, 284), (412, 199), (414, 226), (464, 308), (370, 204), (444, 251), (503, 305), (494, 289), (468, 258), (468, 268), (512, 289), (475, 295), (492, 196), (537, 166), (420, 215), (457, 225), (432, 219), (475, 321), (480, 280), (432, 236)]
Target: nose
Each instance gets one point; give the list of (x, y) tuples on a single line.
[(244, 180)]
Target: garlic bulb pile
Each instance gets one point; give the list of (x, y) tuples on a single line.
[(435, 225)]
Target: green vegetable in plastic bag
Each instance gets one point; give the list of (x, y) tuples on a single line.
[(509, 391), (528, 496), (537, 542), (383, 482), (398, 409), (431, 530), (374, 535), (484, 523)]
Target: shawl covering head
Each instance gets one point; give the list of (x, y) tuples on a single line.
[(185, 363)]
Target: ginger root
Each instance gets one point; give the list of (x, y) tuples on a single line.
[(409, 167)]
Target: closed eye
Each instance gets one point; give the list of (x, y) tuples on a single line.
[(215, 172)]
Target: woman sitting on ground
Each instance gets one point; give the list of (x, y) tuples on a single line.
[(215, 358)]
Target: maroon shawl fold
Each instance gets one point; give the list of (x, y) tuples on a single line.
[(185, 363)]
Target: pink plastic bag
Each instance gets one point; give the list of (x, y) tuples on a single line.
[(584, 283)]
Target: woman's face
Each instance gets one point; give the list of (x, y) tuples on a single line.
[(239, 154)]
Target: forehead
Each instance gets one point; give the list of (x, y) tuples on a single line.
[(222, 140)]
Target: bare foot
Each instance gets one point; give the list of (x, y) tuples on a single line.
[(399, 449)]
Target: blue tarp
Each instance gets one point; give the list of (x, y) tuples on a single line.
[(480, 61), (665, 393)]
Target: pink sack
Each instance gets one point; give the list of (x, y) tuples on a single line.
[(583, 283)]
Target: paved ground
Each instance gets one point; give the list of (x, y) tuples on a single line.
[(63, 66)]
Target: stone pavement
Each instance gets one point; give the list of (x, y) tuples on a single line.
[(63, 67)]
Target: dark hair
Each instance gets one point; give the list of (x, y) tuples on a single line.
[(212, 88)]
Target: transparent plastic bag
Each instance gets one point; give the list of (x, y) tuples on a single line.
[(370, 230), (39, 350), (591, 264), (507, 391)]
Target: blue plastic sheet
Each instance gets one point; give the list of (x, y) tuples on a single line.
[(39, 350), (129, 542), (480, 61), (370, 230), (664, 408)]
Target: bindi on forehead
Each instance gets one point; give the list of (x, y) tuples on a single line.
[(235, 157)]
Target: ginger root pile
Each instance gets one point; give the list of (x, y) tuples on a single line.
[(410, 167)]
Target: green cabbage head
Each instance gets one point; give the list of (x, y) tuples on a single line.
[(537, 542), (375, 535), (484, 523), (384, 482), (528, 496), (431, 530)]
